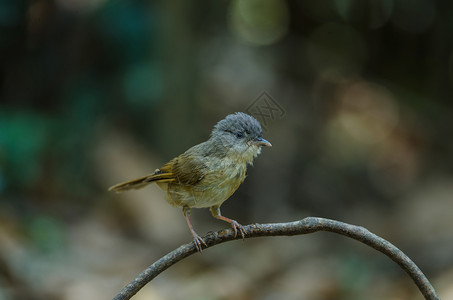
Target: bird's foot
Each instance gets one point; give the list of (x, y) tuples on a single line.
[(215, 210), (237, 227), (199, 242)]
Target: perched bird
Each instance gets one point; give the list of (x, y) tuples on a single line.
[(209, 173)]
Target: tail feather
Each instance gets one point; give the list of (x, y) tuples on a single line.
[(141, 182)]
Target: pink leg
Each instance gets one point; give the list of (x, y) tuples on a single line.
[(197, 240), (215, 211)]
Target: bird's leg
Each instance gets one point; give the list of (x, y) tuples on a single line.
[(215, 211), (197, 240)]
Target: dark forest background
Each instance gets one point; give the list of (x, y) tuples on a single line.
[(356, 97)]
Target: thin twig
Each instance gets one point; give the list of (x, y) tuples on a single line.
[(304, 226)]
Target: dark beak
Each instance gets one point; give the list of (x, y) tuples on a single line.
[(261, 142)]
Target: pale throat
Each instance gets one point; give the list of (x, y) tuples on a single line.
[(246, 156)]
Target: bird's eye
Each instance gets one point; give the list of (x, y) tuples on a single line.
[(239, 134)]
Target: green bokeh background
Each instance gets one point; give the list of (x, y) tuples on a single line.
[(94, 92)]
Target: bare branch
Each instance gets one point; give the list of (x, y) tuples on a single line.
[(304, 226)]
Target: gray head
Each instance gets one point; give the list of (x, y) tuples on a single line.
[(241, 134)]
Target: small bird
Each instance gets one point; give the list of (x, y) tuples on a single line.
[(208, 173)]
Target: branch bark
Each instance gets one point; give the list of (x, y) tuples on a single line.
[(304, 226)]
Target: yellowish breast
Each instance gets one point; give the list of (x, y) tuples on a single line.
[(219, 183)]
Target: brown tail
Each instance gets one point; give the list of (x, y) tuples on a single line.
[(141, 182)]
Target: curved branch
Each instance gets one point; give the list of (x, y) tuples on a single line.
[(304, 226)]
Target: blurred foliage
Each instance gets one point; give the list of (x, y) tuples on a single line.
[(93, 92)]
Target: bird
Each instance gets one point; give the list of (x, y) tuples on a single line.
[(207, 174)]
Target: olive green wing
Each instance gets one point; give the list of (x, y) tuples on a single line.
[(186, 169)]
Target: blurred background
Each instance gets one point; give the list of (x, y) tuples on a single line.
[(355, 96)]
